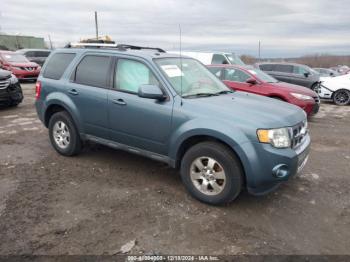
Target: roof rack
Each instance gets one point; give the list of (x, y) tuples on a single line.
[(122, 47)]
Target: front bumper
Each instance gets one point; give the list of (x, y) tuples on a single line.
[(264, 159), (11, 94), (26, 75)]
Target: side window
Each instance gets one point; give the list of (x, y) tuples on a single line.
[(219, 59), (30, 54), (284, 68), (217, 71), (130, 75), (266, 67), (93, 71), (236, 75), (42, 54), (299, 70), (57, 64)]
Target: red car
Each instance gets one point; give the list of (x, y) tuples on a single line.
[(252, 80), (19, 65)]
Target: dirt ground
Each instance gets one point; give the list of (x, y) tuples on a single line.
[(100, 200)]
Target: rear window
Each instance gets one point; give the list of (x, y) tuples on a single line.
[(93, 71), (57, 64), (41, 53)]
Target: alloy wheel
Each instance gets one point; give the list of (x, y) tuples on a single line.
[(61, 134), (208, 176)]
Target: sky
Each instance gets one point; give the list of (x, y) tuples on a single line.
[(285, 28)]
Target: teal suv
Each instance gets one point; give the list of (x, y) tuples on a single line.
[(171, 109)]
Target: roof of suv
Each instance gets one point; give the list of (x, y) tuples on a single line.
[(147, 54)]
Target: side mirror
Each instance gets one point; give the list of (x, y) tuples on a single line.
[(306, 74), (251, 81), (331, 74), (151, 92)]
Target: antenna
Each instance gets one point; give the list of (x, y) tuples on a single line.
[(180, 62)]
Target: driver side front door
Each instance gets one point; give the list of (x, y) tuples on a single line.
[(141, 123)]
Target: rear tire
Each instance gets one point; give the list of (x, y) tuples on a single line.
[(64, 136), (341, 97), (212, 173)]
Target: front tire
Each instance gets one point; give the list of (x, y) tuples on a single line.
[(212, 173), (64, 136), (341, 97)]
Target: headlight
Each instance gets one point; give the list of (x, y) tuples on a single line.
[(278, 138), (13, 79), (301, 96)]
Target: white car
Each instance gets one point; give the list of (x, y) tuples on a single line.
[(336, 89), (212, 58)]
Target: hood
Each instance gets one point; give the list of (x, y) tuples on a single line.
[(338, 82), (247, 110), (4, 74), (24, 64), (294, 88)]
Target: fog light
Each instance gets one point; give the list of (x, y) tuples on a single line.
[(280, 171)]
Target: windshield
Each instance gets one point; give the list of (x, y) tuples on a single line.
[(195, 78), (263, 76), (234, 59), (14, 58)]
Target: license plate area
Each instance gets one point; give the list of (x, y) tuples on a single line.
[(302, 159)]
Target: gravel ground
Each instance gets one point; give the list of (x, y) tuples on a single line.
[(102, 199)]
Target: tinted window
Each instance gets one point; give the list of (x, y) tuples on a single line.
[(266, 67), (41, 53), (216, 71), (284, 68), (93, 71), (219, 59), (57, 65), (29, 54), (236, 75), (130, 75)]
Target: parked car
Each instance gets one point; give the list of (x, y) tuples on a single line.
[(324, 72), (10, 89), (336, 89), (252, 80), (19, 65), (174, 110), (35, 55), (292, 73), (210, 58)]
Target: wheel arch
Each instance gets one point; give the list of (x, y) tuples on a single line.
[(57, 104), (196, 139)]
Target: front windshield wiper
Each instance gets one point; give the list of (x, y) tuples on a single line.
[(224, 92), (200, 95)]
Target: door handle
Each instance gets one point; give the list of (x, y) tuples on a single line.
[(73, 92), (119, 102)]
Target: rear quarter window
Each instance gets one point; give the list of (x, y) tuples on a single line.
[(57, 64)]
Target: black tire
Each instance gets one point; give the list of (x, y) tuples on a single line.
[(230, 164), (74, 145), (341, 97)]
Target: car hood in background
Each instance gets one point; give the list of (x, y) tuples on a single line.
[(294, 88), (25, 64), (336, 83), (246, 110)]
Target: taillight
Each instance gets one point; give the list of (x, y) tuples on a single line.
[(37, 90)]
